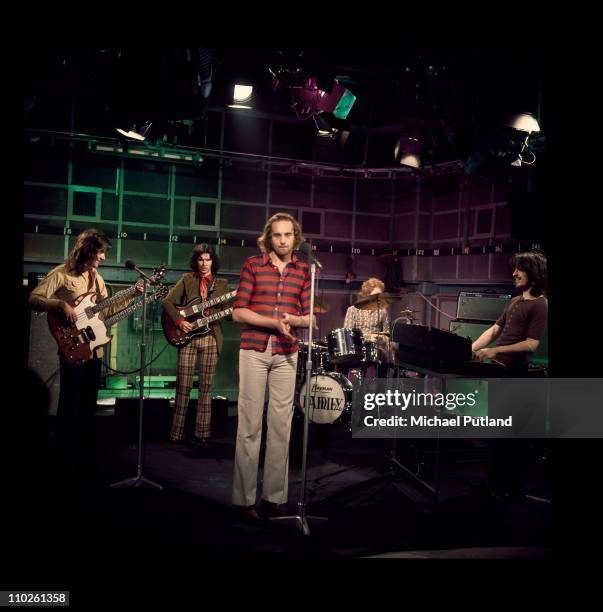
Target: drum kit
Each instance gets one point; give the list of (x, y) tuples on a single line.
[(339, 364)]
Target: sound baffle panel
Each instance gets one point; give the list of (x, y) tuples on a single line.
[(146, 209), (333, 193), (244, 185), (338, 225), (372, 228), (146, 176), (94, 170), (443, 268), (44, 358), (199, 181), (374, 196), (46, 162), (146, 253), (290, 190), (250, 218), (41, 247), (44, 200)]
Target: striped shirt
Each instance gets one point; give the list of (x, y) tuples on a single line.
[(264, 290)]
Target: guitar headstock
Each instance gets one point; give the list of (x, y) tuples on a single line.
[(160, 292), (158, 274)]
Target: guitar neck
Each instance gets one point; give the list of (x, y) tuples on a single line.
[(124, 294), (199, 308), (207, 320), (126, 312), (120, 296)]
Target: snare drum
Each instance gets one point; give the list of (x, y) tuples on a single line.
[(330, 398), (345, 346)]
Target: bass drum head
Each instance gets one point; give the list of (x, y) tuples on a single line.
[(330, 398)]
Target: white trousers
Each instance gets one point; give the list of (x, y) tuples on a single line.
[(255, 370)]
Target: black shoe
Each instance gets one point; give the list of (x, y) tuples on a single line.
[(199, 449), (195, 443), (271, 510), (249, 512)]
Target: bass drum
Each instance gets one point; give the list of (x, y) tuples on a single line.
[(330, 398)]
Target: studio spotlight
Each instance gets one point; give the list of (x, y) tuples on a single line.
[(524, 122), (242, 96), (407, 151), (324, 125), (135, 134)]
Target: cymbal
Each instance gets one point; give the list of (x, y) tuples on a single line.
[(377, 300)]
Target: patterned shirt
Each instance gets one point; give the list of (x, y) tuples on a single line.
[(264, 290), (369, 321)]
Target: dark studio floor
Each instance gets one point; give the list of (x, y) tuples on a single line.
[(389, 517)]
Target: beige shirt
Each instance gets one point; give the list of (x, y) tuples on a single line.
[(369, 321), (61, 284)]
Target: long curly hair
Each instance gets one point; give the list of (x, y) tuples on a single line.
[(534, 265), (369, 285), (265, 240), (87, 245), (199, 250)]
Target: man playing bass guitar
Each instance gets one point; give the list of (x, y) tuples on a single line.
[(57, 293), (202, 284)]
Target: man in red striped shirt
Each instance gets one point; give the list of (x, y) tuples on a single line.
[(273, 298)]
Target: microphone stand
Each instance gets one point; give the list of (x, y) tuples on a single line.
[(300, 520), (139, 480)]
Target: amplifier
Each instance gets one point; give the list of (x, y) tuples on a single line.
[(481, 306)]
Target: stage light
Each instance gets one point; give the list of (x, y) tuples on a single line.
[(524, 122), (323, 125), (135, 134), (242, 96), (407, 151)]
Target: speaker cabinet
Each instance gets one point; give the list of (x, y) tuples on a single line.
[(481, 306)]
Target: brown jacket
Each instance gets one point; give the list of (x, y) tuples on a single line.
[(187, 289)]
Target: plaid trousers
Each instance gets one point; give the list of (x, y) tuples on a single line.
[(205, 348)]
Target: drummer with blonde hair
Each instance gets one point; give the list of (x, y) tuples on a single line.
[(372, 320)]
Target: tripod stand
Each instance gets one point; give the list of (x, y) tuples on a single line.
[(139, 480), (394, 470)]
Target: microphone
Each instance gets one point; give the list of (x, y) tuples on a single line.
[(307, 249), (132, 266)]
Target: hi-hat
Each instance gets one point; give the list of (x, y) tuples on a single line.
[(377, 300)]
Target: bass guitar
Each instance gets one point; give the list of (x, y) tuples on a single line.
[(78, 341)]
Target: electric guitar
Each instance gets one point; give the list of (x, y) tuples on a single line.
[(77, 341), (193, 312)]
